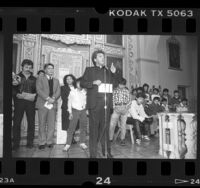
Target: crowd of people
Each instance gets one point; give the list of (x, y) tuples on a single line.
[(82, 99), (142, 110)]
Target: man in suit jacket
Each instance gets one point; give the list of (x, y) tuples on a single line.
[(48, 90), (97, 104)]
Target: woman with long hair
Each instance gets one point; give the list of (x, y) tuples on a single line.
[(69, 84)]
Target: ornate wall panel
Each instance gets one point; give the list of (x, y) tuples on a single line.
[(134, 74)]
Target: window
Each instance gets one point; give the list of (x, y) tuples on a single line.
[(114, 40), (174, 53), (183, 91)]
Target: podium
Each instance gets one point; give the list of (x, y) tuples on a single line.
[(178, 135)]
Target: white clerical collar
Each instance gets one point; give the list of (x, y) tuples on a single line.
[(49, 77), (100, 66)]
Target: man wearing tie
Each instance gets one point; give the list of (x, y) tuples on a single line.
[(48, 90), (98, 103)]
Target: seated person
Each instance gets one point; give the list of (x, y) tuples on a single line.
[(152, 110), (139, 90), (175, 101), (155, 93), (146, 92), (138, 118), (183, 106), (166, 95), (164, 105), (133, 94)]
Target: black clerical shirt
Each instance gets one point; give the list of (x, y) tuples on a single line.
[(102, 74), (27, 85)]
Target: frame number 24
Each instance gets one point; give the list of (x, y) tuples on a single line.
[(103, 181)]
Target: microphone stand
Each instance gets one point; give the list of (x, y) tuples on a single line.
[(105, 116)]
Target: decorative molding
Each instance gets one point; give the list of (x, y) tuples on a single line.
[(28, 49), (134, 75), (25, 37), (178, 135), (48, 50), (99, 38), (18, 37), (109, 50), (191, 138), (69, 39)]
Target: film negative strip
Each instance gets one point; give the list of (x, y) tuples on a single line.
[(99, 99)]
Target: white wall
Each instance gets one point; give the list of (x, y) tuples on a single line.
[(153, 59), (149, 72), (171, 78)]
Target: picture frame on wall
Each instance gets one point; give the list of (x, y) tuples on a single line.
[(174, 53), (115, 40)]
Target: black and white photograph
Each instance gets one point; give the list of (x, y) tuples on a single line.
[(103, 96)]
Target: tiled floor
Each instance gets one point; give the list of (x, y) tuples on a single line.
[(147, 149)]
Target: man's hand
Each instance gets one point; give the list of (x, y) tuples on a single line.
[(70, 116), (29, 96), (15, 83), (20, 96), (113, 68), (97, 82), (51, 101)]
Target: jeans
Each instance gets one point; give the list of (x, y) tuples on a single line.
[(78, 115), (140, 128), (118, 113), (23, 106)]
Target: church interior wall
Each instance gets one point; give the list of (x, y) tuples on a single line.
[(154, 63), (57, 44)]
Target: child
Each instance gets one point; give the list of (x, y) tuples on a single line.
[(183, 106), (77, 112), (140, 90), (138, 118), (155, 93), (146, 91), (121, 99), (133, 94), (164, 105), (175, 101), (166, 95), (153, 110)]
